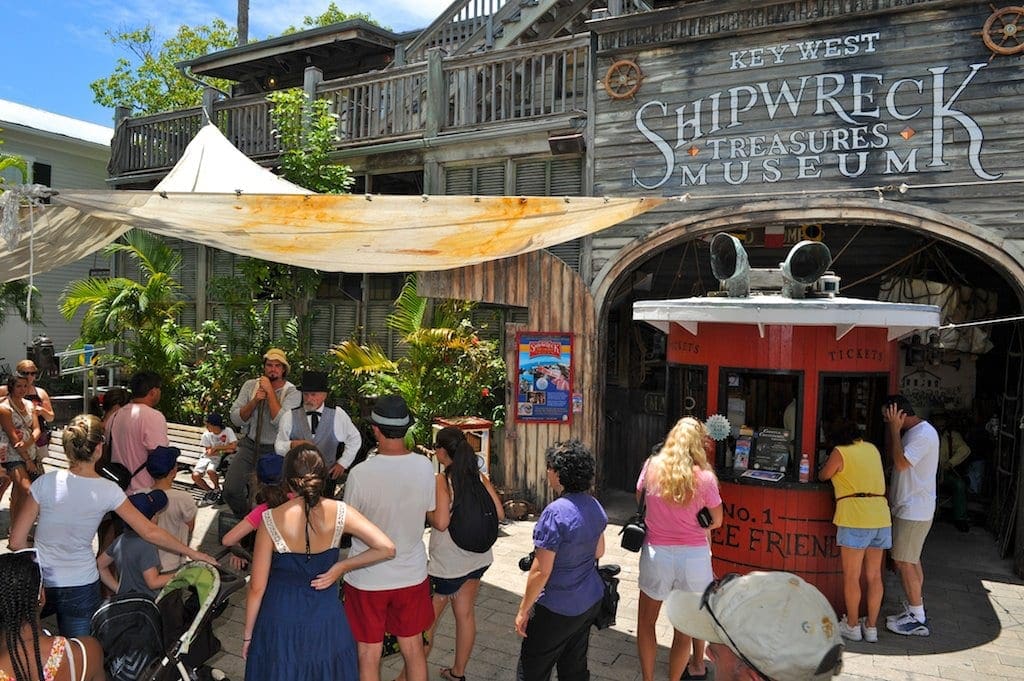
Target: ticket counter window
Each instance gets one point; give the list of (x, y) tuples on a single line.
[(857, 397), (762, 402)]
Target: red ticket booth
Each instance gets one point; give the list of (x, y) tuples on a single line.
[(779, 369)]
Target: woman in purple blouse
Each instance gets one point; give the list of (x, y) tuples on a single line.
[(563, 589)]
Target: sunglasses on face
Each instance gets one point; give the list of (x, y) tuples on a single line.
[(30, 373), (831, 662)]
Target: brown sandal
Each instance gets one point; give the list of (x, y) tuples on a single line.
[(447, 674)]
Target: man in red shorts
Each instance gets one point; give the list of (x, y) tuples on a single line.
[(395, 490)]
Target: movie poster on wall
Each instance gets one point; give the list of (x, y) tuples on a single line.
[(544, 377)]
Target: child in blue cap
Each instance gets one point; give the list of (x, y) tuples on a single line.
[(138, 565), (218, 441)]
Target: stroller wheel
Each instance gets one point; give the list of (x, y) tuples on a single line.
[(205, 673)]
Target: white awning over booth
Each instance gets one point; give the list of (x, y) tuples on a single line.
[(844, 314)]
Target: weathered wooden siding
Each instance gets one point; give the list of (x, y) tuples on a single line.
[(557, 300), (687, 55)]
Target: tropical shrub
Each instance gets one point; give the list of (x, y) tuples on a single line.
[(448, 370)]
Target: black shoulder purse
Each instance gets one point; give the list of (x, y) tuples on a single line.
[(635, 531)]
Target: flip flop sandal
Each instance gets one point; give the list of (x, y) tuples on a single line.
[(447, 674)]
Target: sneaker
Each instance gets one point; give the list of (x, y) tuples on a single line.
[(908, 625), (869, 634), (208, 499), (848, 632), (902, 612)]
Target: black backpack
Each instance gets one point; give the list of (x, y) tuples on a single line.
[(474, 522), (130, 629)]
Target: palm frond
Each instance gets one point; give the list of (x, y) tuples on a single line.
[(88, 292), (362, 359), (152, 254), (410, 309)]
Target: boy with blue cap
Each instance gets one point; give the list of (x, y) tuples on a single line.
[(179, 516), (138, 565), (217, 442)]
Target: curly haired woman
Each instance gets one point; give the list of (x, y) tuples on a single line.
[(563, 589), (675, 483)]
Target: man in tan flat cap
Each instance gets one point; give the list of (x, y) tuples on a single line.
[(257, 413)]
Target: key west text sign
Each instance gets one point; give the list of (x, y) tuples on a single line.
[(810, 108)]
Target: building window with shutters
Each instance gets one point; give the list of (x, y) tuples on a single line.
[(557, 176), (540, 176)]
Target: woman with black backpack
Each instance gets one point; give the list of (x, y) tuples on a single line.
[(460, 552)]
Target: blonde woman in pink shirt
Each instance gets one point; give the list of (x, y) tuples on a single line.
[(676, 483)]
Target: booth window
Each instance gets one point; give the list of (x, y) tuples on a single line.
[(857, 397), (759, 400)]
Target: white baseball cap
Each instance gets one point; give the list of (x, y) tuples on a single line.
[(773, 621)]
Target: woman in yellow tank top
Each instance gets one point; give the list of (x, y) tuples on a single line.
[(863, 525)]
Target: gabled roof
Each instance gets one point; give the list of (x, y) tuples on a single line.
[(14, 114)]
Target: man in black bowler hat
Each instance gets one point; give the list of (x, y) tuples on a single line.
[(328, 428)]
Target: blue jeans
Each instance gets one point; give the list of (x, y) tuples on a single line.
[(74, 606)]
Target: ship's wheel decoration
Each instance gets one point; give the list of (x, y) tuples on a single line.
[(1003, 32), (622, 79)]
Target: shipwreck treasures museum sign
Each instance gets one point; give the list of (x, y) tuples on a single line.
[(832, 106)]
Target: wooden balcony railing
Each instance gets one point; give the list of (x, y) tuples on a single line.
[(245, 121), (538, 79), (464, 93), (152, 142), (379, 105)]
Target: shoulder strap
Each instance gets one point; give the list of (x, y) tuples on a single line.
[(85, 660), (641, 505), (339, 524), (275, 535)]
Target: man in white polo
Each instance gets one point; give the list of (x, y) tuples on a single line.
[(913, 445)]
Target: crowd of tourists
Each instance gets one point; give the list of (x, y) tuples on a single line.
[(283, 457)]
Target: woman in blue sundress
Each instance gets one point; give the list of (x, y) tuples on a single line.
[(295, 625)]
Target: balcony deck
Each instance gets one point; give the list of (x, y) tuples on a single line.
[(428, 99)]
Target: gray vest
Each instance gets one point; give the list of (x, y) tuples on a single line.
[(323, 439)]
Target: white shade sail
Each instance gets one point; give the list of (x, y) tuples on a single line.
[(218, 197)]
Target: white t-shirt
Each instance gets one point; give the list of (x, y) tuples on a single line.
[(211, 439), (913, 490), (70, 510), (394, 492)]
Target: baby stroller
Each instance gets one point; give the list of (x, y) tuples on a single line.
[(172, 637)]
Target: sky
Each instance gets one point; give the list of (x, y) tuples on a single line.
[(50, 50)]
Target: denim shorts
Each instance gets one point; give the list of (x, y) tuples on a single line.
[(447, 586), (864, 538), (74, 606)]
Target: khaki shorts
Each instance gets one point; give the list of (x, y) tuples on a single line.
[(908, 539)]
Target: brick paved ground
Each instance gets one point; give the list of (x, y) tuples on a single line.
[(975, 603)]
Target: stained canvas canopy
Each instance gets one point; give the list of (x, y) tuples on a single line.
[(218, 197)]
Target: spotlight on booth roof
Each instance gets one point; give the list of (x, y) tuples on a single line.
[(804, 272)]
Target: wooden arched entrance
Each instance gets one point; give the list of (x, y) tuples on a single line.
[(988, 247)]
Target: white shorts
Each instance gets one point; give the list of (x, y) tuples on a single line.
[(664, 569), (206, 463)]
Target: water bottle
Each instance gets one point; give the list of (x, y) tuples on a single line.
[(805, 468)]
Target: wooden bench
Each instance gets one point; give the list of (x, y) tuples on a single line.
[(185, 438)]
